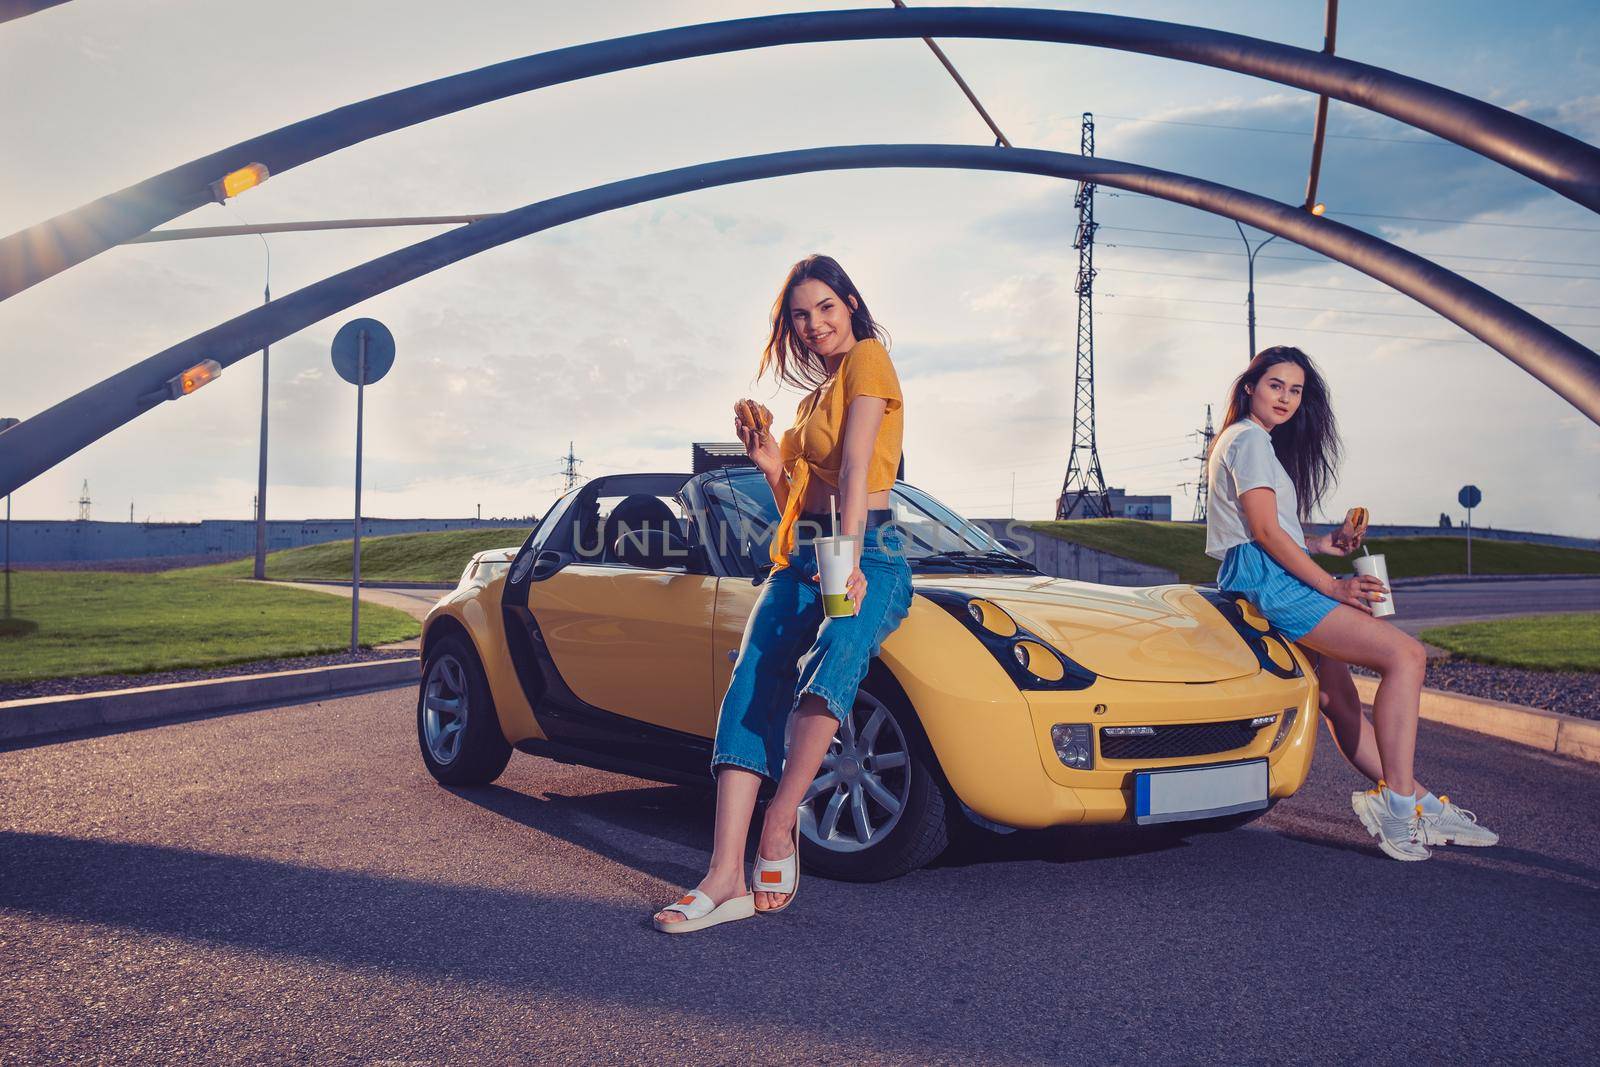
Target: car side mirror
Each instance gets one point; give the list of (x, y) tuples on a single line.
[(547, 563)]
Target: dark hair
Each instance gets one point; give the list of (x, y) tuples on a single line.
[(1308, 443), (796, 364)]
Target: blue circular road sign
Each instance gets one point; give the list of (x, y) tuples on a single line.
[(347, 350), (1470, 496)]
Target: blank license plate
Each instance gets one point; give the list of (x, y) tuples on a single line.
[(1199, 792)]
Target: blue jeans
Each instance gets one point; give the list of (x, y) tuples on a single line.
[(791, 648)]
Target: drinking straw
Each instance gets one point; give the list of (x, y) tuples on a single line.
[(833, 516)]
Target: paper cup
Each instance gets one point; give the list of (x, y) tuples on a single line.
[(836, 558), (1376, 566)]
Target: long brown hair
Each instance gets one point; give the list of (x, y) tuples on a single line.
[(1308, 443), (794, 361)]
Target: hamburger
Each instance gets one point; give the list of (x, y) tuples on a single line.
[(753, 415), (1355, 526)]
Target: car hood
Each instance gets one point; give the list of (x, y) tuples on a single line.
[(1166, 633)]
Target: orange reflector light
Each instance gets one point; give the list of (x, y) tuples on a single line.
[(207, 370), (236, 182), (1278, 654), (1318, 209), (1251, 616)]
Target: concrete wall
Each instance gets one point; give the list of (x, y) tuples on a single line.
[(53, 542), (1486, 533), (1064, 559)]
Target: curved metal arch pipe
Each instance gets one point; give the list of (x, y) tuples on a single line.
[(1565, 164), (1563, 364)]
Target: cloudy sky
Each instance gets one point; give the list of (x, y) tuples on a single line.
[(630, 334)]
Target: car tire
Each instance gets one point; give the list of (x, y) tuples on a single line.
[(897, 843), (457, 727)]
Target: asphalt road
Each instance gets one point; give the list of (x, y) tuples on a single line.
[(290, 885), (1421, 606)]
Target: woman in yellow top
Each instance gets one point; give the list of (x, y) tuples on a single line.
[(844, 445)]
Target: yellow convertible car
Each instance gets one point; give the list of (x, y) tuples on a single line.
[(1007, 698)]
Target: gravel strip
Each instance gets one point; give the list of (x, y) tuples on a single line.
[(1568, 692), (95, 683)]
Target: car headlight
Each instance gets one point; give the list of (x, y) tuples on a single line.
[(991, 617), (1265, 640), (1074, 745), (1032, 662)]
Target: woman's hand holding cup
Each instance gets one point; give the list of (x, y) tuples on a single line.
[(1359, 590), (855, 587)]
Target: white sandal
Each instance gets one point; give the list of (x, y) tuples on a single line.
[(778, 876), (699, 911)]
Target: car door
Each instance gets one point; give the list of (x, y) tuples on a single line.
[(630, 639)]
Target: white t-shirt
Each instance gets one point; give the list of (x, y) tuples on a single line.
[(1242, 459)]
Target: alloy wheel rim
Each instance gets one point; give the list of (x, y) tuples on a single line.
[(444, 709), (863, 784)]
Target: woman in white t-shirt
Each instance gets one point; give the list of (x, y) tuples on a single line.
[(1268, 468)]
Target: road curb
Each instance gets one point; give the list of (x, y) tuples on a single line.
[(1548, 731), (43, 717)]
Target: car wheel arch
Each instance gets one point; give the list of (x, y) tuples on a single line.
[(882, 675), (444, 626)]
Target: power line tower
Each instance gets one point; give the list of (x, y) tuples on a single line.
[(569, 468), (1205, 436), (1083, 491), (83, 502)]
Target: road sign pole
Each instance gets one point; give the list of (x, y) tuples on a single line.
[(363, 352), (355, 563), (1469, 497)]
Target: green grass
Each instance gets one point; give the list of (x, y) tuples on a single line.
[(1173, 545), (91, 622), (419, 557), (1538, 642), (1181, 547)]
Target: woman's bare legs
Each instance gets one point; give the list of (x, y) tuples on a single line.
[(1353, 636), (812, 731), (736, 801), (1352, 731), (814, 727)]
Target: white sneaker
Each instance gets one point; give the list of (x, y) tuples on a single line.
[(1455, 826), (1400, 836)]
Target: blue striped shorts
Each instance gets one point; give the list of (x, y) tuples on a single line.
[(1288, 603)]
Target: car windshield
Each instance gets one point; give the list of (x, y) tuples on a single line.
[(935, 537)]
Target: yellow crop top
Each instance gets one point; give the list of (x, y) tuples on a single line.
[(815, 444)]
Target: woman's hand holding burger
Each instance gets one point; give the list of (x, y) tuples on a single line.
[(752, 421), (1350, 534)]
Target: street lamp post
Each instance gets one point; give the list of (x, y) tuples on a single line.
[(261, 469), (6, 424), (1250, 300), (1316, 209)]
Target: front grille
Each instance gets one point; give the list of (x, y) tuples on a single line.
[(1188, 739)]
